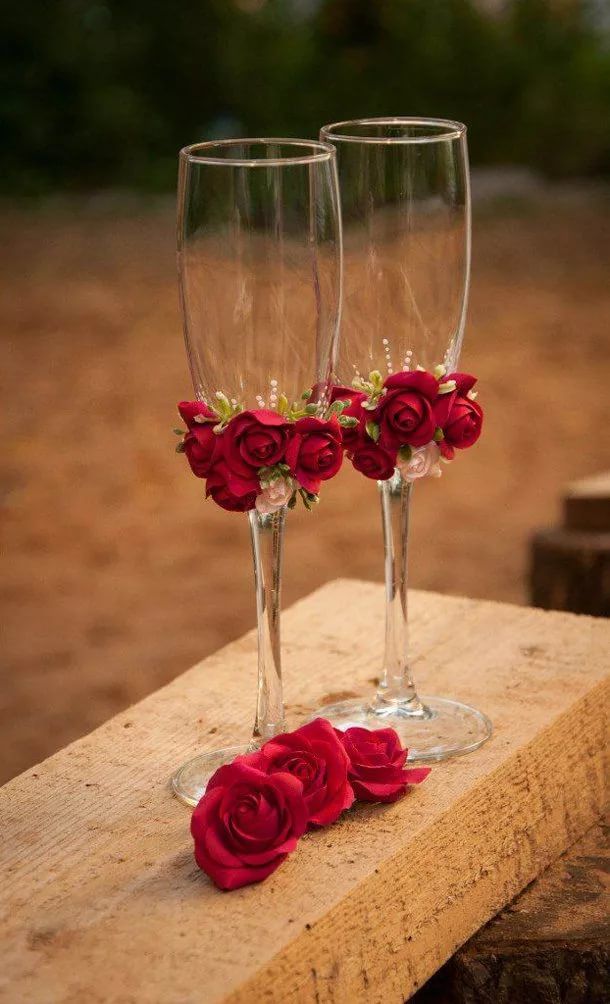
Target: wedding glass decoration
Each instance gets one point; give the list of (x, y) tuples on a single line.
[(259, 259), (405, 197)]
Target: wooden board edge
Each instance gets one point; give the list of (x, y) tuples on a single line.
[(383, 957)]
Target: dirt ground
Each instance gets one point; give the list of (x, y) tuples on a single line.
[(117, 577)]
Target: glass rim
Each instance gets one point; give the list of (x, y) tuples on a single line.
[(203, 153), (448, 129)]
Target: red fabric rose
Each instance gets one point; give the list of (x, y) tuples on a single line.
[(405, 413), (200, 447), (189, 410), (232, 491), (315, 755), (247, 823), (460, 418), (200, 442), (315, 453), (377, 764), (255, 439), (341, 393), (373, 460), (351, 435)]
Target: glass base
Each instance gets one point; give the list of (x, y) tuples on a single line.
[(190, 781), (432, 728)]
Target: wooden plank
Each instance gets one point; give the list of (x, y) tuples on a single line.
[(551, 944), (587, 504), (101, 899)]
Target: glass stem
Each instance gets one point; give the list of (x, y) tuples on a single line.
[(267, 533), (396, 687)]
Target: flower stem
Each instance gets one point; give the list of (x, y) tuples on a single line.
[(267, 534)]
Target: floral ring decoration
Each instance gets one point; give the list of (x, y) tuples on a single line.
[(266, 458), (412, 421)]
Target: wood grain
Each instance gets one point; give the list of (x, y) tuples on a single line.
[(551, 944), (101, 900)]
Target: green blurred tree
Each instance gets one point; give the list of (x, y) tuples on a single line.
[(97, 93)]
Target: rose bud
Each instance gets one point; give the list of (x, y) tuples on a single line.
[(193, 412), (405, 414), (315, 755), (377, 764), (231, 491), (255, 439), (247, 823), (373, 460), (315, 453)]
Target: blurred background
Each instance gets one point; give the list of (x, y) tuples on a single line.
[(116, 576)]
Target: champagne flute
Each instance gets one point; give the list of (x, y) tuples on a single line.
[(405, 197), (259, 259)]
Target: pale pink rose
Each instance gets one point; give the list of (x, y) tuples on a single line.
[(274, 496), (424, 462)]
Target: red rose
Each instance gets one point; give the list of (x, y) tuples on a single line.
[(200, 446), (340, 393), (460, 418), (247, 823), (200, 443), (373, 460), (232, 491), (351, 435), (255, 439), (377, 764), (189, 410), (464, 425), (315, 755), (315, 453), (405, 414)]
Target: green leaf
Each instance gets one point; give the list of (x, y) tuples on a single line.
[(311, 409), (180, 448), (306, 395), (372, 431), (439, 435), (283, 404), (292, 500), (178, 432), (405, 453), (347, 421), (305, 497)]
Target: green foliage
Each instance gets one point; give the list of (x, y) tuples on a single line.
[(104, 92)]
